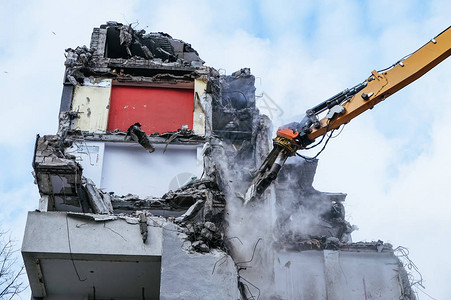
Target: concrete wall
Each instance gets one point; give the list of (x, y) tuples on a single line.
[(195, 276), (337, 275)]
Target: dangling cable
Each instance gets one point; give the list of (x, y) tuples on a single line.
[(309, 159), (322, 138)]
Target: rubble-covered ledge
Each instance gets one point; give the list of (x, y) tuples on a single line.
[(77, 234), (121, 137), (66, 251)]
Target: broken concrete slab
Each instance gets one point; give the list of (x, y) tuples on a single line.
[(98, 204), (191, 212), (92, 217), (143, 226)]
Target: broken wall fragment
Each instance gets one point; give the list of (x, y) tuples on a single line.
[(91, 102), (139, 136)]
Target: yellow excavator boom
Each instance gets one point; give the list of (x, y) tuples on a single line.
[(345, 106), (386, 83)]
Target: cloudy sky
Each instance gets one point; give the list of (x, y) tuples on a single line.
[(393, 161)]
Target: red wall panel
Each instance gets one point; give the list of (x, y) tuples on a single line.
[(157, 109)]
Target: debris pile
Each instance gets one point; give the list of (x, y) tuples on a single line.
[(204, 236), (152, 46), (307, 218), (119, 51)]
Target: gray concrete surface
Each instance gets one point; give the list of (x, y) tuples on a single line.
[(191, 276)]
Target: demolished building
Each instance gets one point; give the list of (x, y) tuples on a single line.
[(141, 190)]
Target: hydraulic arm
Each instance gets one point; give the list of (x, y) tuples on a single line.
[(347, 105)]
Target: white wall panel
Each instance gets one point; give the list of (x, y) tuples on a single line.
[(129, 168)]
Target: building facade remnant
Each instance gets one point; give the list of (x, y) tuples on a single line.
[(141, 190)]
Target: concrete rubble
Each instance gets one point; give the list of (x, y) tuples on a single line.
[(206, 213)]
